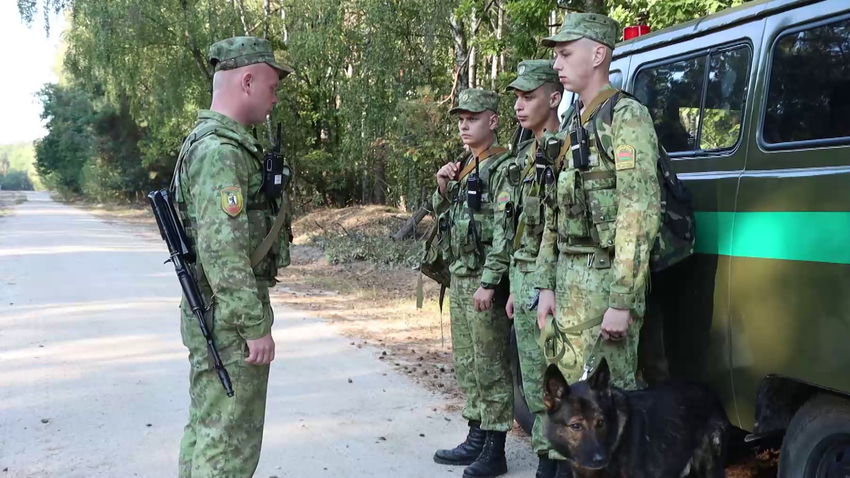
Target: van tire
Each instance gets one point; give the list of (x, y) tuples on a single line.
[(522, 414), (817, 441)]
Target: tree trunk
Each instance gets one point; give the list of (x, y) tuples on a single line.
[(409, 227), (379, 182), (285, 33), (595, 6), (242, 16), (494, 71), (461, 58), (494, 66), (473, 57), (267, 12)]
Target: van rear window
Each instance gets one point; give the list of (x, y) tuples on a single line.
[(809, 91), (697, 103)]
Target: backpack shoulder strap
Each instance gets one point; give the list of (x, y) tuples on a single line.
[(493, 153), (605, 114)]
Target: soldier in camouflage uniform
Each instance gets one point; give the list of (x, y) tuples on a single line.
[(478, 264), (601, 221), (538, 94), (217, 185)]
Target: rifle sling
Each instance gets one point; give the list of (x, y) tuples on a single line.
[(481, 160), (264, 246)]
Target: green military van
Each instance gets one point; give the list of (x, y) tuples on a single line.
[(753, 105)]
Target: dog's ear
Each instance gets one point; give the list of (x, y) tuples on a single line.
[(556, 388), (601, 377)]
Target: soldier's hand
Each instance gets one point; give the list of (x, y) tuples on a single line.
[(545, 306), (260, 351), (615, 323), (509, 307), (483, 299), (446, 174)]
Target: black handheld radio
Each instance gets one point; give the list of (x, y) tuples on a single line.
[(276, 174), (473, 189), (578, 140)]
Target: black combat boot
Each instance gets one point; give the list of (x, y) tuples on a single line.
[(467, 452), (491, 462), (546, 468)]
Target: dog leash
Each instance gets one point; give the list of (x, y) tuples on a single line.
[(554, 341), (590, 359)]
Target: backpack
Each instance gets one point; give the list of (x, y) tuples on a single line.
[(432, 264), (676, 236)]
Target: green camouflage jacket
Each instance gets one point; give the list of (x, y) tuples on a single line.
[(475, 251), (226, 216), (612, 210)]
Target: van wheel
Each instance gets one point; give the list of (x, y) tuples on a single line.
[(522, 414), (817, 442)]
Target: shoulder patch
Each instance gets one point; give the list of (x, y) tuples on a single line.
[(502, 200), (625, 157), (231, 200)]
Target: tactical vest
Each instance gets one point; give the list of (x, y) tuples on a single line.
[(465, 234), (588, 204), (527, 218), (273, 252)]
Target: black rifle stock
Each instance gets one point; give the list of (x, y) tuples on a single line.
[(181, 256)]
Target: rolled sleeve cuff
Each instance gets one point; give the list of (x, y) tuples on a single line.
[(618, 300), (544, 279), (490, 278), (255, 330)]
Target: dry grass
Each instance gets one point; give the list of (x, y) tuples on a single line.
[(376, 306), (368, 220)]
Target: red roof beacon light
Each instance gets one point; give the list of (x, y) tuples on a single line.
[(635, 31)]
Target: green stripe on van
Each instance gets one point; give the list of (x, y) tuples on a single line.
[(792, 236)]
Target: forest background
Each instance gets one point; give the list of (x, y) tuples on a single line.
[(365, 116)]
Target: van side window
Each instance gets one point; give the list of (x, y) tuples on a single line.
[(724, 99), (808, 97), (673, 93), (697, 103)]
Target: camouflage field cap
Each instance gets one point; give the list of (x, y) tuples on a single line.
[(532, 74), (476, 100), (237, 52), (593, 26)]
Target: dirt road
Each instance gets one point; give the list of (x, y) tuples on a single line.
[(93, 375)]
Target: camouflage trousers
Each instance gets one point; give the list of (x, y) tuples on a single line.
[(531, 361), (581, 294), (224, 435), (480, 342)]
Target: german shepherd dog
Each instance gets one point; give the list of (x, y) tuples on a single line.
[(674, 430)]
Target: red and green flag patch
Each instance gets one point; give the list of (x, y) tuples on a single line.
[(625, 155)]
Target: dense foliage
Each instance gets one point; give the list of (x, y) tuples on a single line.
[(365, 117), (17, 172)]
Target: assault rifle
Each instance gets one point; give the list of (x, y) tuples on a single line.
[(182, 256)]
